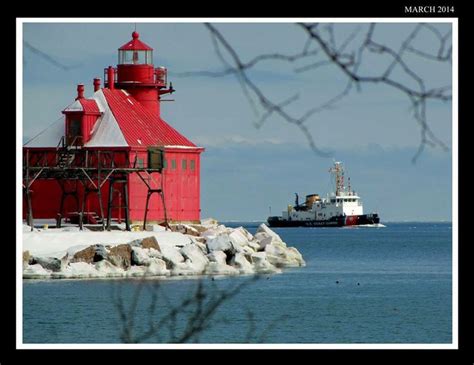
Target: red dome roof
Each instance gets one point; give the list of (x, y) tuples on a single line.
[(135, 44)]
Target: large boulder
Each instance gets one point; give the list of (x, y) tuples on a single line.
[(214, 231), (242, 233), (142, 256), (151, 242), (107, 269), (262, 265), (265, 236), (218, 257), (171, 256), (202, 246), (157, 267), (264, 230), (217, 268), (282, 256), (196, 257), (221, 242), (120, 256), (240, 262), (90, 254), (49, 263)]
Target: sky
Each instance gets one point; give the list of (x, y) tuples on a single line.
[(248, 172)]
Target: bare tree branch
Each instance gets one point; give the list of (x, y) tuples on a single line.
[(48, 58), (322, 49), (197, 311)]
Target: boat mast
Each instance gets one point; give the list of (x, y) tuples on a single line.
[(338, 171)]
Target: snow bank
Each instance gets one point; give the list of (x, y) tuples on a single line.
[(188, 249)]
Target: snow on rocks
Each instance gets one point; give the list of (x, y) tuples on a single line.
[(188, 249), (35, 271)]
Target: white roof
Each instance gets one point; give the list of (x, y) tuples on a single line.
[(106, 132), (74, 107)]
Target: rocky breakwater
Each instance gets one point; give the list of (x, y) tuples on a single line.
[(207, 249)]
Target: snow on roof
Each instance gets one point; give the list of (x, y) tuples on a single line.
[(76, 106), (106, 132)]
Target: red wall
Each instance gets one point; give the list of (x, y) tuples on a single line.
[(181, 188)]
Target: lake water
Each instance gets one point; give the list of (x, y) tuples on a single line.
[(360, 285)]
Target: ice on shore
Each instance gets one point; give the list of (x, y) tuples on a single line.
[(187, 249)]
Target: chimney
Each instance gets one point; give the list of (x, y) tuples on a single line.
[(111, 77), (80, 91), (96, 84)]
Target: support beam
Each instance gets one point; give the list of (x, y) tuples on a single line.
[(127, 207)]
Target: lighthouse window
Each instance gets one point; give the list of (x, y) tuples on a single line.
[(165, 163), (192, 165), (184, 164), (135, 57), (173, 164)]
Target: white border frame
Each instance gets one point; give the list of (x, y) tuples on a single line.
[(19, 233)]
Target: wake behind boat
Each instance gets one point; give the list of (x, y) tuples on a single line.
[(340, 208)]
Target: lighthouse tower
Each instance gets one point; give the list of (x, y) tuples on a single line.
[(136, 74)]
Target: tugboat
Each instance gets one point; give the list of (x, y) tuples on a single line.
[(340, 208)]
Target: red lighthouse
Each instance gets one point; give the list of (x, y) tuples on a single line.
[(115, 146)]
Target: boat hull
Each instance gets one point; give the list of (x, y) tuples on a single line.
[(341, 221)]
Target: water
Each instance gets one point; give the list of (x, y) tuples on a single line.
[(360, 285)]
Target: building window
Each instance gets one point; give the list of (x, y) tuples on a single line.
[(192, 165), (140, 162), (184, 164), (173, 164), (165, 163), (74, 134)]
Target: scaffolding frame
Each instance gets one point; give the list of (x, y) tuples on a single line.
[(92, 168)]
